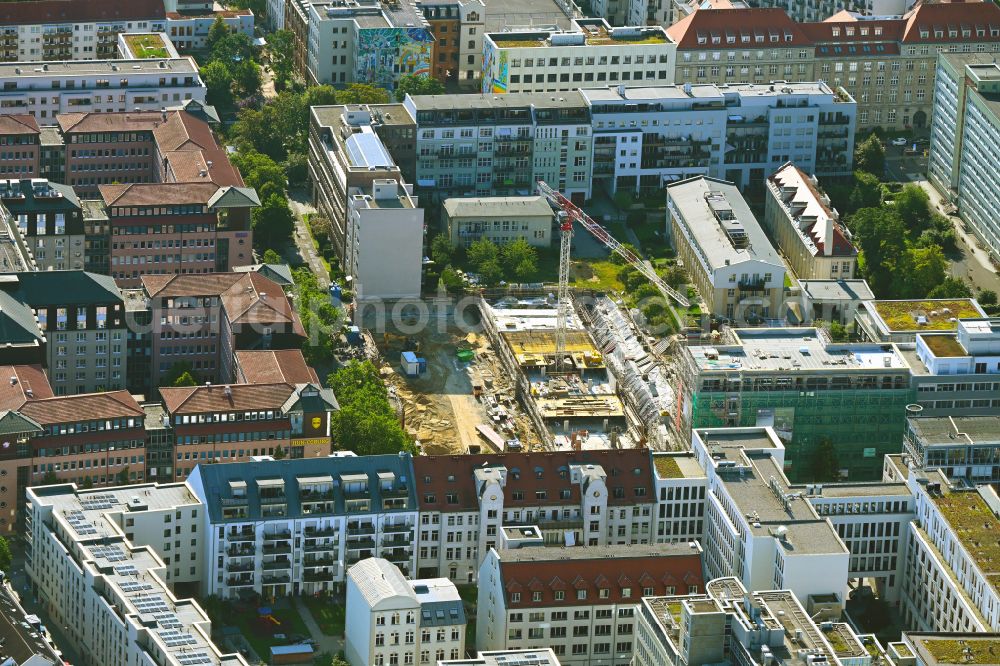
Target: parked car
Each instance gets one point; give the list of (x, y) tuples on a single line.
[(899, 141)]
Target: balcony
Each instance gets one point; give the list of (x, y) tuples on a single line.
[(275, 579), (277, 549), (320, 576), (241, 551), (560, 524), (396, 540), (318, 562), (358, 544), (276, 536), (317, 546), (239, 581), (394, 492), (242, 536), (275, 565), (751, 286), (358, 529), (310, 496), (319, 531), (233, 567), (397, 527), (273, 499)]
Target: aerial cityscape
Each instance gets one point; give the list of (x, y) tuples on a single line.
[(500, 333)]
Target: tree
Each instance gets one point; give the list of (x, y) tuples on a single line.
[(866, 193), (247, 77), (618, 259), (482, 251), (519, 260), (838, 332), (49, 478), (233, 48), (412, 84), (881, 240), (216, 33), (451, 280), (490, 272), (178, 370), (825, 466), (279, 453), (271, 257), (258, 170), (273, 222), (442, 250), (121, 478), (914, 208), (869, 156), (366, 423), (88, 483), (6, 558), (950, 288), (339, 661), (987, 298), (318, 96), (282, 64), (927, 270), (362, 93), (218, 84)]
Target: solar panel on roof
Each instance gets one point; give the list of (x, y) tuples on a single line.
[(193, 658), (126, 570), (167, 620), (150, 603), (366, 150), (176, 638), (131, 586)]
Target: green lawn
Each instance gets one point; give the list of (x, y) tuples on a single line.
[(259, 633), (329, 614), (598, 275)]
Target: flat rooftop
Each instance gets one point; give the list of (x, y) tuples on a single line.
[(28, 70), (634, 551), (954, 649), (677, 466), (975, 525), (904, 316), (837, 290), (505, 14), (873, 489), (570, 99), (956, 430), (788, 612), (795, 350), (538, 657), (703, 92), (592, 32), (364, 150)]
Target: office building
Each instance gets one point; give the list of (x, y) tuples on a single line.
[(103, 565), (20, 149), (807, 230), (966, 118), (757, 529), (596, 498), (886, 63), (801, 11), (47, 89), (581, 602), (590, 53), (47, 218), (963, 447), (829, 300), (645, 138), (458, 27), (385, 241), (393, 620), (957, 373), (729, 258), (815, 393), (943, 648), (189, 26), (500, 219), (542, 657), (500, 145), (341, 509), (266, 366), (635, 12), (680, 484), (364, 41), (82, 316), (900, 321), (56, 30)]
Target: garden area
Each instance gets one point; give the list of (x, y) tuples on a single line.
[(329, 614), (146, 46), (262, 624)]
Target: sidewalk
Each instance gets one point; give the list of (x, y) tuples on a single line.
[(330, 644)]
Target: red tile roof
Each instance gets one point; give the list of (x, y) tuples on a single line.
[(78, 11), (223, 398), (158, 194), (18, 123), (85, 407), (131, 121), (951, 15), (433, 475), (592, 569), (169, 286), (842, 246), (254, 299), (263, 366), (17, 380), (723, 23)]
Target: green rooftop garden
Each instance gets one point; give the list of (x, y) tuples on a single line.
[(944, 346), (147, 46), (517, 43), (902, 315), (976, 526), (667, 467), (958, 651), (902, 649)]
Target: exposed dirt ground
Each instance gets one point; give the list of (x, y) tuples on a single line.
[(439, 407)]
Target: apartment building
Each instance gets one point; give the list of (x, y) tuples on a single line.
[(949, 584), (82, 316), (60, 30), (393, 620), (203, 319), (47, 218), (458, 27), (500, 145), (543, 657), (385, 241), (647, 137), (729, 258), (346, 153), (581, 602), (900, 321), (103, 564), (938, 649), (830, 300), (47, 89), (966, 118), (886, 63), (809, 389), (189, 27), (596, 498), (500, 219), (280, 527), (365, 41), (591, 52), (729, 625), (24, 341), (807, 230), (963, 447), (757, 529), (801, 11), (957, 373), (20, 149), (235, 422)]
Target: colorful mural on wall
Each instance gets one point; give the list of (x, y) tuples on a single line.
[(494, 70), (385, 54)]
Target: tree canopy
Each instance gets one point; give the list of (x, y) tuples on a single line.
[(366, 422), (273, 222), (412, 84), (869, 156), (180, 373), (281, 50)]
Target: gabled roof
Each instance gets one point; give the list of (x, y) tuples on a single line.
[(156, 194), (18, 123), (12, 423), (235, 197), (206, 284), (78, 11), (224, 397), (723, 23), (21, 383), (17, 323), (256, 300), (280, 273), (945, 15), (262, 366), (40, 289), (85, 407), (134, 121)]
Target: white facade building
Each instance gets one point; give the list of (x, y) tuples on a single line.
[(44, 89), (392, 620), (500, 219), (757, 528), (103, 563), (189, 30), (591, 53), (384, 248)]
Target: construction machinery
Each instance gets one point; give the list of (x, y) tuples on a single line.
[(569, 213)]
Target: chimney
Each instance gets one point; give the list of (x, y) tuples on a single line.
[(828, 235)]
